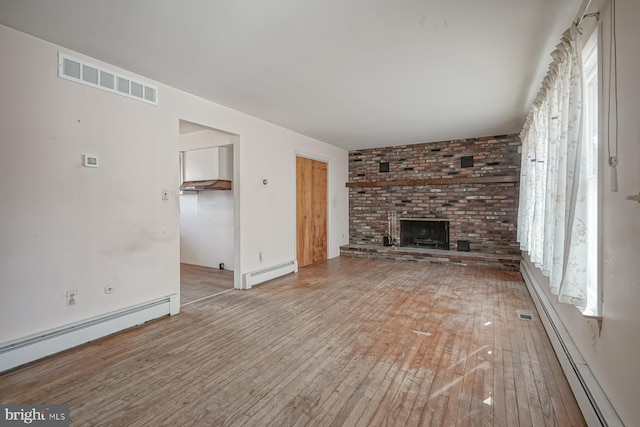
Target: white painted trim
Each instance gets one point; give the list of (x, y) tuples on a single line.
[(174, 304), (269, 273), (28, 349), (207, 297), (237, 231), (593, 402), (602, 163), (307, 155)]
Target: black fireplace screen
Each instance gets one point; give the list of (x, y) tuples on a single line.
[(424, 234)]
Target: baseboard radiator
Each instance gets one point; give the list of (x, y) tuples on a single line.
[(259, 276), (25, 350), (593, 402)]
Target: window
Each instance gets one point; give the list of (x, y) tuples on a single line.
[(558, 211), (590, 143)]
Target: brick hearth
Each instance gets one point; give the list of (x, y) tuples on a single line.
[(434, 256)]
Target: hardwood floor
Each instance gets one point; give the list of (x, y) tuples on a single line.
[(347, 342), (197, 282)]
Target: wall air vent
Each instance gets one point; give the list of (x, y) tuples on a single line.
[(107, 80), (79, 71), (90, 74)]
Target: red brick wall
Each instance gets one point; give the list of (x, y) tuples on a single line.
[(483, 213)]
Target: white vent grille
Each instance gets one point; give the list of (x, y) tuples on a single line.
[(149, 93), (107, 80), (524, 314), (136, 89), (92, 75), (123, 85), (71, 68)]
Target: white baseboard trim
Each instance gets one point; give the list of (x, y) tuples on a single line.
[(260, 276), (593, 402), (29, 349)]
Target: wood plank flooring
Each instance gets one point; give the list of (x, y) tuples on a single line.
[(197, 282), (346, 342)]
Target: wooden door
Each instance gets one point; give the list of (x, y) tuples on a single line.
[(304, 234), (311, 211), (319, 210)]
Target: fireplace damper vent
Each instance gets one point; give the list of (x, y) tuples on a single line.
[(464, 246)]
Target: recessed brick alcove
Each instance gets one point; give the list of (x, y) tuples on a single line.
[(432, 180)]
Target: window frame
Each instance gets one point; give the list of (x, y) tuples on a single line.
[(592, 52)]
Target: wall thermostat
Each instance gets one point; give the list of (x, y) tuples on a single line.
[(90, 161)]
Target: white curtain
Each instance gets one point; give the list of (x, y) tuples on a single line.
[(552, 215)]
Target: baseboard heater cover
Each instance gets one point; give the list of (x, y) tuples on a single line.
[(594, 404), (25, 350), (260, 276)]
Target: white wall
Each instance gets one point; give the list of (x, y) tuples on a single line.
[(67, 227), (206, 229), (613, 354), (204, 139)]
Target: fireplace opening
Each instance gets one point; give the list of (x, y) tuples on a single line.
[(424, 233)]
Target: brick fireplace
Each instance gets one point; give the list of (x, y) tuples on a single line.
[(470, 185)]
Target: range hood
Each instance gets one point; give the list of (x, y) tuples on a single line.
[(212, 184), (206, 169)]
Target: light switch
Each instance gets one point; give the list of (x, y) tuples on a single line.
[(165, 194)]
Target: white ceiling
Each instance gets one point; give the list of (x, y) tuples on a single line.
[(353, 73)]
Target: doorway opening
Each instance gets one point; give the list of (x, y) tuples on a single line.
[(207, 212)]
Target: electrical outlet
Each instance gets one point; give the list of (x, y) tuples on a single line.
[(72, 297)]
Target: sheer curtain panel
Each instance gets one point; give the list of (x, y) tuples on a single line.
[(552, 215)]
